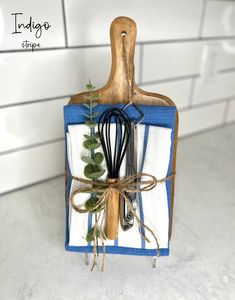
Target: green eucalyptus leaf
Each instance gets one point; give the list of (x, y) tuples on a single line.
[(93, 171), (87, 136), (99, 193), (96, 135), (91, 99), (87, 105), (90, 87), (91, 144), (95, 114), (100, 233), (90, 169), (93, 137), (88, 160), (88, 116), (92, 202), (90, 235), (94, 104), (91, 124), (98, 158), (97, 175)]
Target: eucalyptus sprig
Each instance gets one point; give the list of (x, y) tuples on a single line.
[(93, 169)]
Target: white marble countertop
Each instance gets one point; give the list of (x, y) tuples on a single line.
[(34, 264)]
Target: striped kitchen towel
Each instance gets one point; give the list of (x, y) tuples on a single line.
[(156, 136), (153, 156)]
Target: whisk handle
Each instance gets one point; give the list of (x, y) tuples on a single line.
[(112, 212)]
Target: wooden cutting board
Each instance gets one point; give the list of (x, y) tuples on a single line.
[(117, 89)]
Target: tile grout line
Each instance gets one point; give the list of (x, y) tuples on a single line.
[(170, 79), (196, 106), (141, 83), (154, 42), (226, 110), (207, 103), (31, 184), (40, 144), (186, 40), (34, 101), (225, 71), (206, 130), (65, 24), (70, 95), (191, 135), (55, 48), (202, 18), (23, 148), (192, 90), (220, 0)]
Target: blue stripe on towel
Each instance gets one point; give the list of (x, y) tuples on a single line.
[(145, 143), (89, 224), (68, 185)]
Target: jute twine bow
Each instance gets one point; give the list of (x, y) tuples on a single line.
[(130, 184)]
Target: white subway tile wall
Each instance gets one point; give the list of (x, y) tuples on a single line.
[(231, 111), (225, 59), (26, 125), (185, 50), (219, 18), (156, 19), (199, 118), (28, 166), (179, 90), (162, 61), (220, 87)]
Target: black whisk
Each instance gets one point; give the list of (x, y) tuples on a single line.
[(114, 154)]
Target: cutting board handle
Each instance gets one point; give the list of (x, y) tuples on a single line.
[(117, 88), (121, 76)]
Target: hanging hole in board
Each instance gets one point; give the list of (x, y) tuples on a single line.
[(123, 33)]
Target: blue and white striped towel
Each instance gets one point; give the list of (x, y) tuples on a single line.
[(154, 144)]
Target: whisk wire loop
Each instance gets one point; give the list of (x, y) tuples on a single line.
[(114, 148)]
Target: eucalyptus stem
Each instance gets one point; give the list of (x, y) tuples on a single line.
[(92, 151), (93, 169)]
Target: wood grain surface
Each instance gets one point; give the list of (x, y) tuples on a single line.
[(112, 213)]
